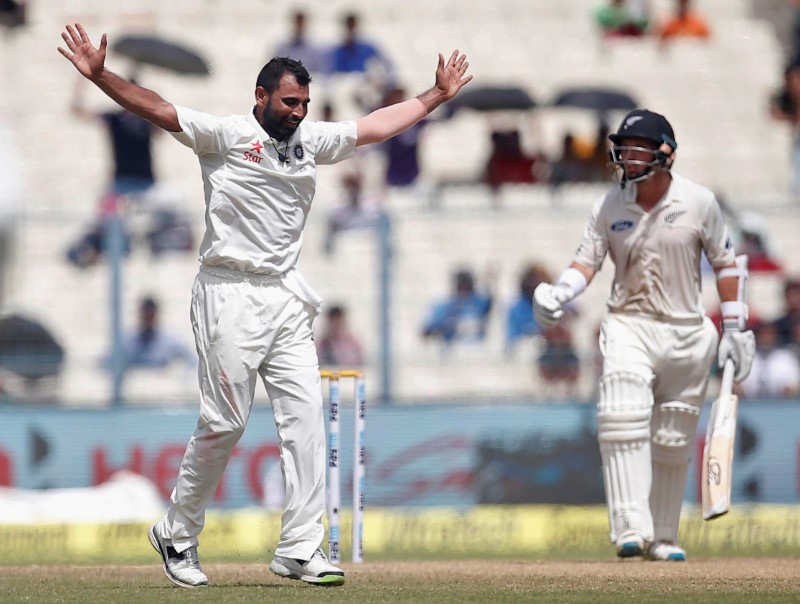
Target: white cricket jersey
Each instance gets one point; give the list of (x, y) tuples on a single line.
[(657, 254), (256, 204)]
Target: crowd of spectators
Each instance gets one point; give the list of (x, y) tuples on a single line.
[(632, 18)]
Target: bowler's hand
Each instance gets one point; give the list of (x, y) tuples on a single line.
[(450, 77), (87, 59), (548, 303)]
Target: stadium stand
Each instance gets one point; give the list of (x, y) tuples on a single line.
[(715, 94)]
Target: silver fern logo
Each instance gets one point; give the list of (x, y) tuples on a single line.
[(673, 216)]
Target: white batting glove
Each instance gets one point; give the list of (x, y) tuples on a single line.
[(739, 346), (548, 302)]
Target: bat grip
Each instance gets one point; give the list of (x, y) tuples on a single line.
[(728, 370)]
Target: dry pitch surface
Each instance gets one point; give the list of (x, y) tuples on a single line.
[(729, 581)]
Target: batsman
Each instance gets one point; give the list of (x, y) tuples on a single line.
[(658, 345)]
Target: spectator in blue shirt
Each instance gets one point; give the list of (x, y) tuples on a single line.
[(151, 347), (354, 54), (463, 316), (519, 320)]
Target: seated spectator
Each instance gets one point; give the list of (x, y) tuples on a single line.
[(754, 241), (151, 347), (463, 316), (685, 23), (91, 246), (359, 210), (558, 362), (337, 346), (775, 372), (508, 163), (618, 19), (785, 107), (519, 320), (583, 160), (569, 167), (298, 47), (788, 322), (356, 55), (402, 151)]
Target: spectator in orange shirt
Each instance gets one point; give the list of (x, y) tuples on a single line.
[(686, 23)]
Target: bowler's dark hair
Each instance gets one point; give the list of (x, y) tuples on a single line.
[(270, 75)]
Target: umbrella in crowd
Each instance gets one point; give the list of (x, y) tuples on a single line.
[(27, 348), (158, 52), (492, 98), (596, 98)]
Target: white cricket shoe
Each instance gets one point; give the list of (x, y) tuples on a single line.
[(630, 546), (662, 550), (181, 568), (317, 570)]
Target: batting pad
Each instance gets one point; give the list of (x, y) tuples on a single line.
[(624, 412), (674, 425)]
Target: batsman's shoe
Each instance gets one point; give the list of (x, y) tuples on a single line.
[(181, 568), (630, 546), (317, 570), (662, 550)]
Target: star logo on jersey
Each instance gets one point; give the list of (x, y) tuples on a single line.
[(257, 146)]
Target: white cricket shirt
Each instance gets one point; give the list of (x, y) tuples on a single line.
[(657, 254), (256, 204)]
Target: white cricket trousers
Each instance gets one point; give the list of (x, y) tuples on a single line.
[(247, 326)]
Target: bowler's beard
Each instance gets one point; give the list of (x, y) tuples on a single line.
[(275, 126)]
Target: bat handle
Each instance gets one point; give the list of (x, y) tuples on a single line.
[(728, 369)]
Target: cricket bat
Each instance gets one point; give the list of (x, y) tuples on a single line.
[(717, 469)]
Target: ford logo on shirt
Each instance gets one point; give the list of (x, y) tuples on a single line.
[(621, 225)]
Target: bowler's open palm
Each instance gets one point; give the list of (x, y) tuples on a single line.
[(450, 77), (87, 59)]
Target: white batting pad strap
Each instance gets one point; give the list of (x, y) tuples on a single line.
[(574, 279), (734, 309), (674, 426), (730, 271)]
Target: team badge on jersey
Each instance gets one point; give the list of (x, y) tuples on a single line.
[(672, 216), (621, 225), (298, 152)]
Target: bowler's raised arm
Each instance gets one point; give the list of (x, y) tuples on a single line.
[(90, 63)]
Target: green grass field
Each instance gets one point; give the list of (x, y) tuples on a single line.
[(443, 582)]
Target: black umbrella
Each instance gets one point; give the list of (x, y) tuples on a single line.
[(152, 50), (492, 98), (28, 349), (598, 99)]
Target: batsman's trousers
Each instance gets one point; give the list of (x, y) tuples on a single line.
[(674, 359)]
